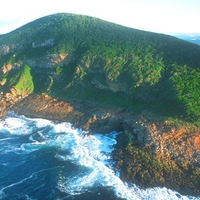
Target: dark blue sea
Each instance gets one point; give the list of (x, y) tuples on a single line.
[(46, 160)]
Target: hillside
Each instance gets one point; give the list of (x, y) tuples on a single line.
[(102, 77), (84, 58)]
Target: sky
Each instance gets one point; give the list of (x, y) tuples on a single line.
[(161, 16)]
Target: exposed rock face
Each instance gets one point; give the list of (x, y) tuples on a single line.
[(9, 48), (148, 153), (177, 144), (8, 67), (49, 42), (49, 61)]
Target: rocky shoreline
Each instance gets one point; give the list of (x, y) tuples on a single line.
[(149, 152)]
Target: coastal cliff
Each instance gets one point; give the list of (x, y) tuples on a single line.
[(150, 152), (101, 77)]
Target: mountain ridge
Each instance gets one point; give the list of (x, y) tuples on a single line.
[(137, 63)]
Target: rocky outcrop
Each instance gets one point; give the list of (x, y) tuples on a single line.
[(48, 61), (161, 154), (49, 42), (44, 62), (9, 48), (6, 68)]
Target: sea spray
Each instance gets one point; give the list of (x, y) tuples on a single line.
[(42, 159)]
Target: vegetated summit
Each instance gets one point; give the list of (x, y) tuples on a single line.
[(84, 58)]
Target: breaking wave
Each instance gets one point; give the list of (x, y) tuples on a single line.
[(42, 159)]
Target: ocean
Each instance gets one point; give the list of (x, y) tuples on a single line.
[(47, 160)]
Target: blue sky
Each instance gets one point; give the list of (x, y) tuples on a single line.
[(162, 16)]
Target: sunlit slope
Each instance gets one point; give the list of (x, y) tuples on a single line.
[(85, 58)]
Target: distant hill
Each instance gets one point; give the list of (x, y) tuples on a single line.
[(84, 58), (194, 38)]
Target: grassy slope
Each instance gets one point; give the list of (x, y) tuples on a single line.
[(137, 70)]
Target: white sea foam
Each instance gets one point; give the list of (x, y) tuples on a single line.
[(92, 152), (42, 122), (17, 126)]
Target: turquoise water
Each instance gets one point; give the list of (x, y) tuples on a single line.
[(42, 159)]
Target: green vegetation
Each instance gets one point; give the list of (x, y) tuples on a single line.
[(108, 64), (187, 82), (59, 70), (25, 82), (20, 80)]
